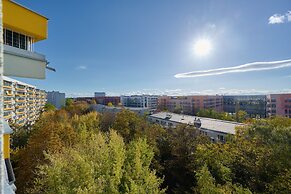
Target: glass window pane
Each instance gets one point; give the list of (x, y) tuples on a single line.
[(4, 36), (22, 42), (15, 39), (9, 37)]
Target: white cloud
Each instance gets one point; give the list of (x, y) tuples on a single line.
[(81, 67), (276, 19), (288, 15), (256, 66), (279, 18)]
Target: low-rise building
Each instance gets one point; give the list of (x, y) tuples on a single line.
[(56, 98), (253, 105), (190, 104), (215, 129), (279, 105)]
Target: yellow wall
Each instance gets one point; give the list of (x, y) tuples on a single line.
[(23, 20), (6, 146)]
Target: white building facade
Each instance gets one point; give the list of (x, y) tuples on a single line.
[(140, 101), (56, 98)]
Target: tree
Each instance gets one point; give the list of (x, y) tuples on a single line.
[(107, 120), (69, 101), (256, 157), (49, 107), (206, 184), (110, 104), (241, 116), (176, 157), (178, 109), (99, 164), (50, 134)]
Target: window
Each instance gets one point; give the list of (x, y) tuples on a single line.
[(22, 39), (16, 39), (9, 37)]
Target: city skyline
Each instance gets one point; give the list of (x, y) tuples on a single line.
[(138, 47)]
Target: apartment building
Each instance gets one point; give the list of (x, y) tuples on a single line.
[(279, 105), (23, 103), (215, 129), (254, 105), (190, 104), (140, 101), (56, 98), (22, 28)]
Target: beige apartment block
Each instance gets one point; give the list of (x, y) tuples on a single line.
[(23, 103)]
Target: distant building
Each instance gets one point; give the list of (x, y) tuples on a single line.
[(279, 105), (105, 100), (99, 94), (102, 109), (190, 104), (216, 129), (254, 105), (56, 98), (140, 101)]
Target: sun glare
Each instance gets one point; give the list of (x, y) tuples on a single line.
[(202, 47)]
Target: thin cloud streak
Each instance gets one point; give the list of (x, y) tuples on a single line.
[(81, 67), (256, 66)]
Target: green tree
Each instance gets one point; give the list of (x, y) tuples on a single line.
[(241, 116), (176, 157), (49, 107), (206, 184), (178, 109), (69, 101), (110, 104), (256, 157), (99, 163)]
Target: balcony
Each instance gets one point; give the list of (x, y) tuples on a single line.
[(23, 63)]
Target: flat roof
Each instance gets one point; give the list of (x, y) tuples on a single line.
[(5, 78), (206, 123)]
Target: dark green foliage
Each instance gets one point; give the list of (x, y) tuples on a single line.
[(49, 107), (239, 116)]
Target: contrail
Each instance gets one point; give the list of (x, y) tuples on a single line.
[(255, 66)]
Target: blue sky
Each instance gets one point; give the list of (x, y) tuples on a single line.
[(129, 47)]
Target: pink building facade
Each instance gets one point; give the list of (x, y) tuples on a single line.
[(190, 104), (279, 105)]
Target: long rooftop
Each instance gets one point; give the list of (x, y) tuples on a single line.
[(206, 123)]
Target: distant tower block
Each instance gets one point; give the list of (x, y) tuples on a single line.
[(99, 94)]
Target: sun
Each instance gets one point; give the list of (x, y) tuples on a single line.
[(202, 47)]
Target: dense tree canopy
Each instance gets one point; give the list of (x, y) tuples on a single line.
[(73, 150)]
